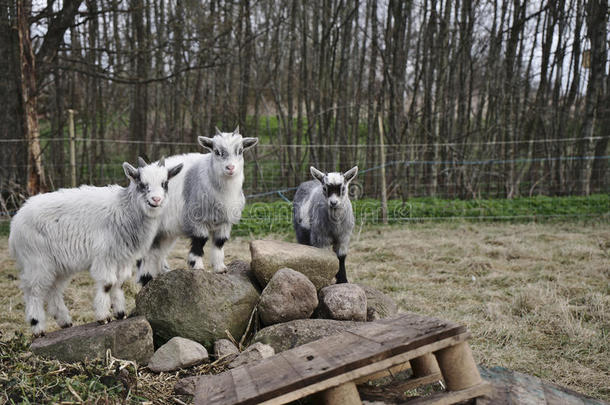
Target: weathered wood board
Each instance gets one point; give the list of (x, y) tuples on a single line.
[(312, 367)]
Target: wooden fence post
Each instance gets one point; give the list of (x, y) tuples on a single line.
[(384, 195), (72, 147)]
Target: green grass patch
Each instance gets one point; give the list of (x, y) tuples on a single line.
[(276, 217), (261, 218), (4, 227)]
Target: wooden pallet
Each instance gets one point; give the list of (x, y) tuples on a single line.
[(330, 367)]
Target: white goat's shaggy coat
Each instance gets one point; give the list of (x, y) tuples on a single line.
[(103, 229), (205, 203)]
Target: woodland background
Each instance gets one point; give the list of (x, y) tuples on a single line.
[(476, 98)]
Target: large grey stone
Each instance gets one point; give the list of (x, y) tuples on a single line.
[(225, 349), (285, 336), (318, 265), (199, 305), (378, 304), (128, 339), (343, 302), (289, 295), (255, 352), (177, 353)]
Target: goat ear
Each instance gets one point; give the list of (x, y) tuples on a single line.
[(318, 175), (161, 162), (236, 130), (131, 172), (174, 170), (206, 142), (141, 162), (218, 131), (350, 174), (247, 143)]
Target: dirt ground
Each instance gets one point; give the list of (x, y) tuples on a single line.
[(536, 297)]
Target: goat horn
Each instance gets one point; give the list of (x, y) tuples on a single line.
[(162, 161), (218, 131), (141, 162)]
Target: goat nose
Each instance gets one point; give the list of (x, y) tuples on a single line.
[(157, 200), (230, 168)]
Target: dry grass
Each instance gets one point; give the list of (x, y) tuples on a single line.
[(536, 297)]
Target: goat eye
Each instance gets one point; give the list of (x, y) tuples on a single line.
[(217, 152), (239, 151)]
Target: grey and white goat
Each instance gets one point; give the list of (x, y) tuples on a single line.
[(206, 202), (103, 229), (322, 213)]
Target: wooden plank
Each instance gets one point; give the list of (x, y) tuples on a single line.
[(304, 365), (452, 397), (414, 331), (418, 382), (390, 372), (394, 391), (245, 387), (335, 356), (252, 383), (363, 371), (216, 390)]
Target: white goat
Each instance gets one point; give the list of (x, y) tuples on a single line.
[(206, 202), (103, 229), (322, 213)]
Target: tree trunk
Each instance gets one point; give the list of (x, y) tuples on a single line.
[(596, 32), (36, 179)]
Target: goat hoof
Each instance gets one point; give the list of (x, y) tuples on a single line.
[(104, 321), (221, 269), (66, 325), (120, 315), (144, 279), (38, 335)]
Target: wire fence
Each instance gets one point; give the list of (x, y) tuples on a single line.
[(468, 170)]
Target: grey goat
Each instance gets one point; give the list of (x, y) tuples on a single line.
[(322, 213)]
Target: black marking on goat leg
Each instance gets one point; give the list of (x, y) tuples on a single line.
[(107, 287), (33, 321), (139, 263), (157, 241), (341, 276), (144, 279), (197, 245), (220, 242), (303, 235)]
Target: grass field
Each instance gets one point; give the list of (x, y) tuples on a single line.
[(536, 297)]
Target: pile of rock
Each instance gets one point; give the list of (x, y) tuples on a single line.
[(287, 286)]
